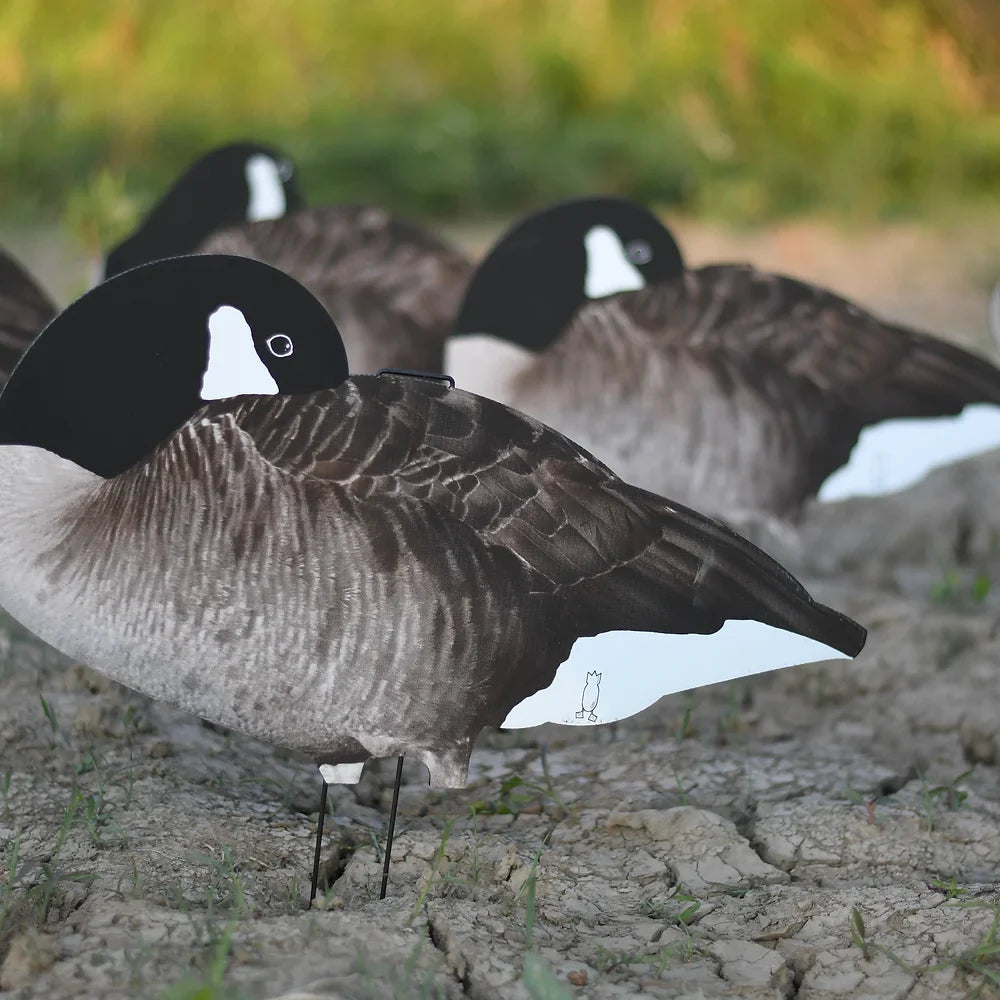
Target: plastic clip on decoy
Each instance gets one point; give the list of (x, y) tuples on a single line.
[(433, 376)]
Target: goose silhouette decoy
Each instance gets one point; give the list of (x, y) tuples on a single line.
[(392, 287), (731, 389), (236, 183), (214, 514), (24, 310)]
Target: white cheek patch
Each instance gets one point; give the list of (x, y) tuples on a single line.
[(895, 454), (616, 674), (609, 271), (267, 193), (234, 368)]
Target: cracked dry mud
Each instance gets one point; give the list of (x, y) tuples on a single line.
[(724, 843), (827, 831)]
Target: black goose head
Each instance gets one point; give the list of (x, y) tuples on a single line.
[(241, 182), (127, 364), (545, 267)]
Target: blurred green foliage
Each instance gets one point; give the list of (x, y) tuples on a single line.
[(743, 109)]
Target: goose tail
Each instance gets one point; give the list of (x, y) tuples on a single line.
[(701, 607), (725, 578), (937, 378), (939, 405)]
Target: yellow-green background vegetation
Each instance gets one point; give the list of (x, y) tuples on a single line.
[(743, 110)]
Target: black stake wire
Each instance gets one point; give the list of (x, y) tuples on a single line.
[(319, 842), (392, 827)]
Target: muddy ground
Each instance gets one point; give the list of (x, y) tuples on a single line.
[(825, 831)]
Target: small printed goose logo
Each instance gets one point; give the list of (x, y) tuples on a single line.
[(591, 695)]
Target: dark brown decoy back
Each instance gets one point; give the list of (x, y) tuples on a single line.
[(24, 311)]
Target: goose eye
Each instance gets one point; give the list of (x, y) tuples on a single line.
[(285, 169), (639, 251), (280, 345)]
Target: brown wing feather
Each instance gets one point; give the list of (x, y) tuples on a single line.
[(868, 369), (828, 366), (620, 557), (24, 310)]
